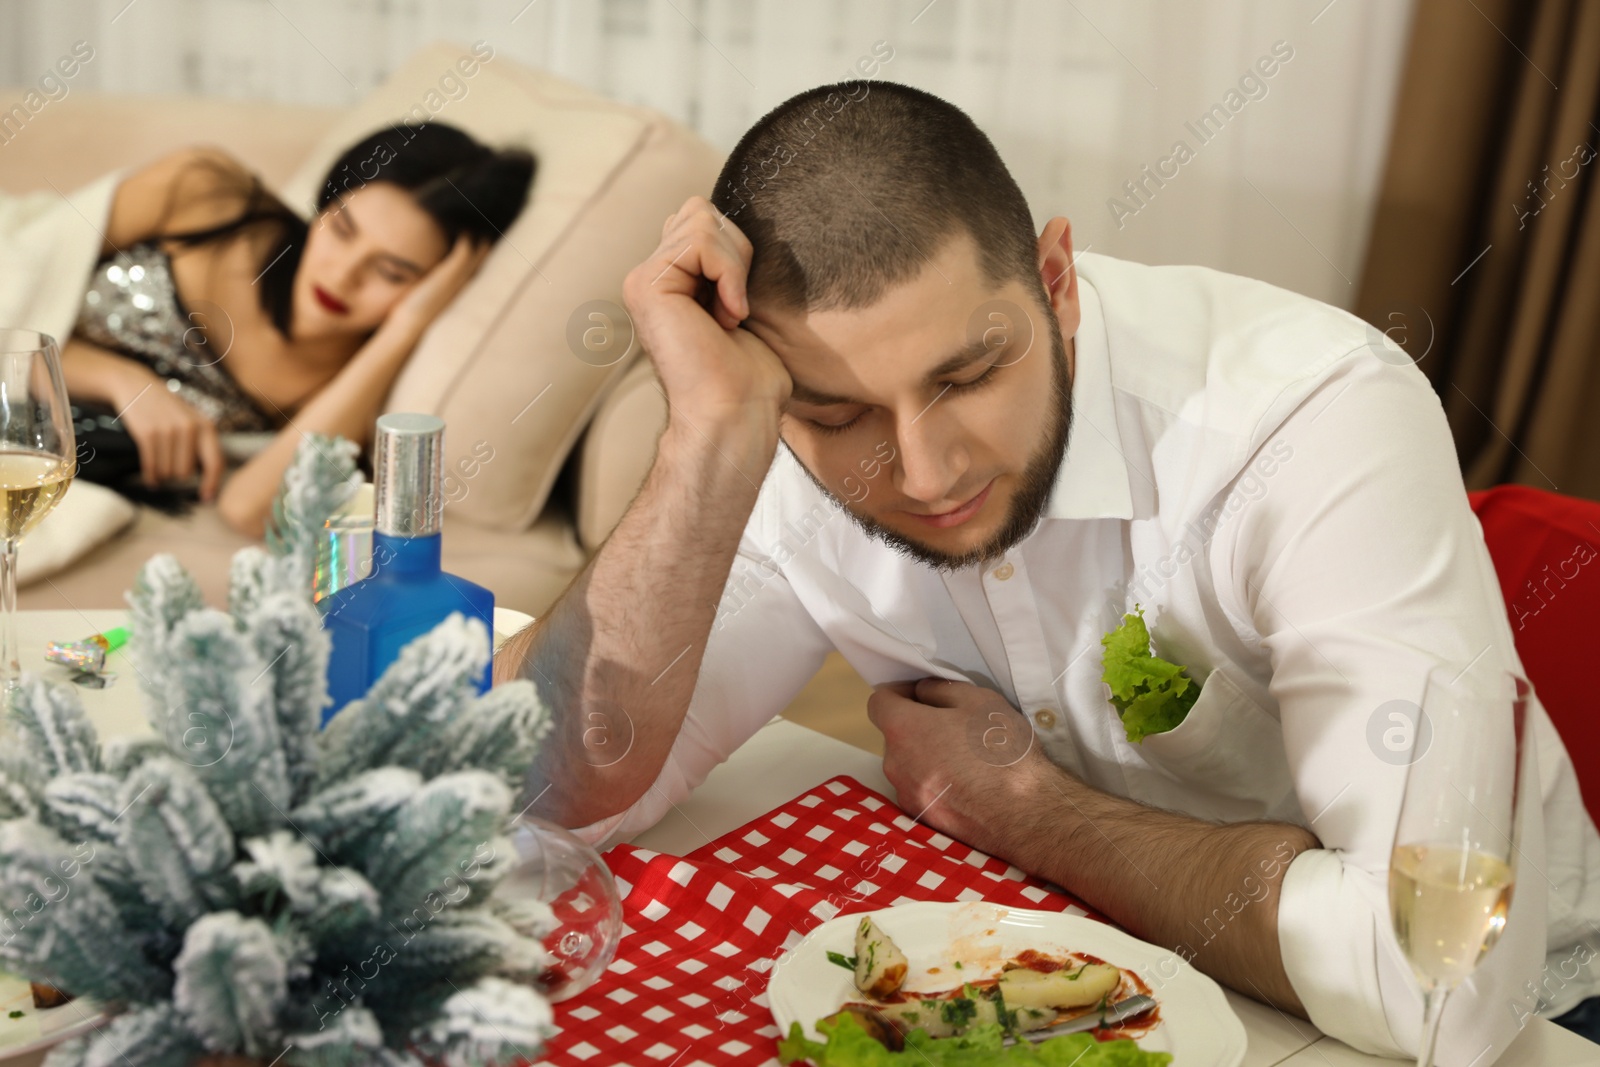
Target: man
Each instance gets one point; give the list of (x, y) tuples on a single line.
[(993, 449)]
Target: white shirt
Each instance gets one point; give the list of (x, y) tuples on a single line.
[(1287, 508)]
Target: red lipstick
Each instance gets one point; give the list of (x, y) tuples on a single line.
[(328, 301)]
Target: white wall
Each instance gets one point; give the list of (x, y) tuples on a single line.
[(1077, 94)]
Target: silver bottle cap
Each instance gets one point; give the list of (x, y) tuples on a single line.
[(408, 467)]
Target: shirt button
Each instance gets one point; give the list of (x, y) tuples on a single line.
[(1045, 718), (1004, 571)]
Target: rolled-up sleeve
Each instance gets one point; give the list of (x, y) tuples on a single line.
[(763, 648), (1360, 568)]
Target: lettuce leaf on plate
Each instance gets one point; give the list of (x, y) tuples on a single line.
[(1151, 694), (845, 1044)]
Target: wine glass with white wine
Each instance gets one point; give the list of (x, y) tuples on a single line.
[(1454, 861), (37, 460)]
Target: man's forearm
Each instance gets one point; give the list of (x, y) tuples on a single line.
[(1207, 891), (617, 656)]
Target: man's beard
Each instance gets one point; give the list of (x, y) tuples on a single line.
[(1033, 493)]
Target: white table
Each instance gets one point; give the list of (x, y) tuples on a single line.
[(782, 761)]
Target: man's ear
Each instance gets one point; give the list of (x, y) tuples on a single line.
[(1056, 271)]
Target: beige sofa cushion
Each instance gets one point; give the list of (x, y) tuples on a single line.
[(77, 139), (499, 365), (617, 452)]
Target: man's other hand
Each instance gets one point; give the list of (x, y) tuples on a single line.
[(960, 758)]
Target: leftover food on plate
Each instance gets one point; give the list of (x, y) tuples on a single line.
[(880, 966), (36, 1015), (1008, 1013), (47, 996)]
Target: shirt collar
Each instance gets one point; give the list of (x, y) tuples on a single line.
[(1092, 482)]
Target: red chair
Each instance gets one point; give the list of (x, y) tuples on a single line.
[(1546, 551)]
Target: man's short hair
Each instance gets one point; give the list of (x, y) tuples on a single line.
[(847, 190)]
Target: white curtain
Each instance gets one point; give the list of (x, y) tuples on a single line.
[(1079, 95)]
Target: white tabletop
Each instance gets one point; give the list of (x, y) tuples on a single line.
[(782, 761)]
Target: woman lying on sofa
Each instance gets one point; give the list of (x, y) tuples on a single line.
[(216, 309)]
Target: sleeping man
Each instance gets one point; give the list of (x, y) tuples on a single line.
[(907, 425)]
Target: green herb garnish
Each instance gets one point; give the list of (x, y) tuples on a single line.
[(17, 1014), (847, 962), (1152, 695), (957, 1011)]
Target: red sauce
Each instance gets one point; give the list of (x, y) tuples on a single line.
[(1033, 960), (1130, 1028)]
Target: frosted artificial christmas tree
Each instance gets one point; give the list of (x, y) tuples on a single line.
[(321, 479), (246, 884)]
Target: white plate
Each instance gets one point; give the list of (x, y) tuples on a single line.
[(39, 1028), (1197, 1025)]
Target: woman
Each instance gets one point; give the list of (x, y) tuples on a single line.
[(216, 309)]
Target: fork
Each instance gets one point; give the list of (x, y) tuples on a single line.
[(1126, 1008)]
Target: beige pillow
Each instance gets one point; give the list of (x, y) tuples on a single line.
[(617, 453), (501, 366)]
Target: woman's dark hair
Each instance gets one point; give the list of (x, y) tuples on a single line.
[(464, 185)]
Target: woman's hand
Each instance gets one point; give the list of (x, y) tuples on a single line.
[(348, 405), (434, 291), (173, 438)]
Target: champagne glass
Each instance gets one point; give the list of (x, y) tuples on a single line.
[(38, 458), (1454, 861), (561, 893)]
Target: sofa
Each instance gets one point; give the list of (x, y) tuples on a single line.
[(570, 427)]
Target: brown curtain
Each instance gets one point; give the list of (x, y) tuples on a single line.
[(1484, 258)]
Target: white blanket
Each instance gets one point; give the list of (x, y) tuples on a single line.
[(49, 242)]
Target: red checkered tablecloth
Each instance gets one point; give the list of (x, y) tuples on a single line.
[(688, 986)]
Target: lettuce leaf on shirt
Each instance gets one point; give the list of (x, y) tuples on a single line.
[(1151, 694), (845, 1044)]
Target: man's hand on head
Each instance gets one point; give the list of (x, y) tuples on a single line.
[(687, 301), (960, 758)]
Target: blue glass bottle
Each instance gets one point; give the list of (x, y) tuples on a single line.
[(407, 593)]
